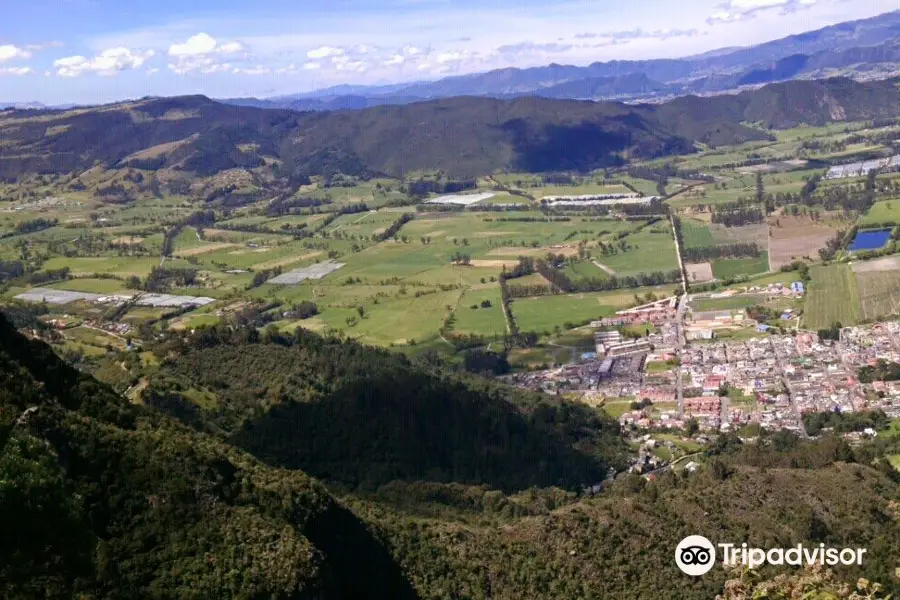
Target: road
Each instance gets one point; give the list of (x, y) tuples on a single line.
[(679, 326), (684, 283), (794, 408)]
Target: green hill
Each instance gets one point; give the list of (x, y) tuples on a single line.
[(101, 499), (366, 417), (104, 499), (463, 136)]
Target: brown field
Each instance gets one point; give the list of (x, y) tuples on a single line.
[(158, 150), (888, 263), (494, 263), (795, 238), (879, 293), (128, 239), (739, 235), (699, 272), (204, 249)]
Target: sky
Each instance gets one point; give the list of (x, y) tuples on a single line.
[(95, 51)]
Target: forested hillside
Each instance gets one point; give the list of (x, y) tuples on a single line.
[(463, 136), (101, 499), (365, 417), (112, 500)]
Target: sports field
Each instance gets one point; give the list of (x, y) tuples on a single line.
[(832, 297)]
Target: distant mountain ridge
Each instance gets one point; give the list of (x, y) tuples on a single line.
[(855, 47), (464, 136)]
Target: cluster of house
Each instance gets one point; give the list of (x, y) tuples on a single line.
[(656, 313), (774, 380)]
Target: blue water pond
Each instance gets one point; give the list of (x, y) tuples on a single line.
[(871, 240)]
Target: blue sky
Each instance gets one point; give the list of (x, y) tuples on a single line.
[(91, 51)]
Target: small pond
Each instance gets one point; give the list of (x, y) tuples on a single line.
[(871, 240)]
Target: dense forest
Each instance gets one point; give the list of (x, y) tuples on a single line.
[(110, 499)]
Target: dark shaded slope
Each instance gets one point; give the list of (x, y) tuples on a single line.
[(472, 136), (113, 501), (365, 417)]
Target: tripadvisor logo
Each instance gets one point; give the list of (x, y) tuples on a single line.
[(695, 555)]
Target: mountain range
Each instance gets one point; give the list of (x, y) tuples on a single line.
[(463, 136), (863, 49)]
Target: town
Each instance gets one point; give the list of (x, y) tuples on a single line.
[(682, 371)]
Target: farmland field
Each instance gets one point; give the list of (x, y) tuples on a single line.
[(881, 213), (543, 313), (487, 321), (649, 251), (696, 234), (879, 287), (794, 238), (832, 296), (728, 268), (732, 303)]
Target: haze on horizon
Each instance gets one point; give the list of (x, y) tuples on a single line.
[(94, 51)]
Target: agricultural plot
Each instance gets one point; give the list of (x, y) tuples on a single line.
[(584, 270), (832, 297), (544, 313), (648, 251), (879, 287), (728, 303), (580, 190), (881, 213), (316, 271), (121, 266), (91, 285), (729, 268), (699, 272), (794, 238), (747, 234), (472, 317), (400, 321), (696, 234)]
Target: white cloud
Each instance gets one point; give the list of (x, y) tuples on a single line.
[(394, 61), (107, 63), (325, 52), (412, 50), (451, 57), (199, 53), (16, 71), (231, 48), (739, 10), (196, 45), (257, 70), (10, 52), (311, 66)]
